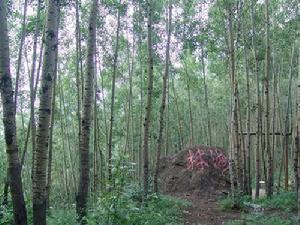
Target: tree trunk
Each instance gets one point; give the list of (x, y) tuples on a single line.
[(179, 118), (84, 164), (23, 34), (286, 127), (234, 121), (206, 97), (269, 188), (258, 102), (95, 140), (297, 141), (41, 152), (50, 146), (191, 127), (32, 83), (149, 100), (248, 179), (113, 84), (274, 115), (9, 122), (79, 85), (163, 101)]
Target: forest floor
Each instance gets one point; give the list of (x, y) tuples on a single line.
[(204, 209)]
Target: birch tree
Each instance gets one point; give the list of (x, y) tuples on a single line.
[(39, 182), (84, 164), (9, 121)]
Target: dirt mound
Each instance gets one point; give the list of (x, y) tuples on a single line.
[(199, 168)]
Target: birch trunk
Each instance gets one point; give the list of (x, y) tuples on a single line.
[(113, 84), (149, 100), (258, 102), (163, 102), (9, 121), (84, 164), (41, 152)]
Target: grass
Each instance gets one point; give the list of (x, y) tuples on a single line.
[(260, 219), (282, 202), (286, 201)]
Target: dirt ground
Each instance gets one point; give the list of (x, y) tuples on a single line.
[(205, 210)]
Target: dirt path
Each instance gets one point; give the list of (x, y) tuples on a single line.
[(205, 210)]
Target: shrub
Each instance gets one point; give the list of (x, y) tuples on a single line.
[(237, 202)]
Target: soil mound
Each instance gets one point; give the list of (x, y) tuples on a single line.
[(199, 168)]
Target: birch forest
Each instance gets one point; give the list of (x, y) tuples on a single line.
[(150, 112)]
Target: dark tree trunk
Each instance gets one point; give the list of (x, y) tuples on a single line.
[(84, 165)]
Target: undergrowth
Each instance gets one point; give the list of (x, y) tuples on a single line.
[(284, 201), (260, 219), (122, 205), (121, 209), (237, 203), (116, 208)]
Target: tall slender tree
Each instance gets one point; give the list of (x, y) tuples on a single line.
[(267, 104), (9, 121), (149, 99), (209, 142), (39, 195), (235, 146), (84, 165), (163, 100), (113, 87), (258, 102), (247, 160), (19, 63), (297, 142), (79, 85)]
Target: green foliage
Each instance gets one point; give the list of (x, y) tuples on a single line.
[(115, 208), (236, 202), (62, 217), (285, 201), (126, 209), (123, 203), (262, 219), (6, 215)]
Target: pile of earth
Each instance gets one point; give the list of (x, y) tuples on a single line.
[(199, 168)]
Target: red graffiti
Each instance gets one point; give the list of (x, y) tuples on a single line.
[(201, 159), (195, 160), (221, 162)]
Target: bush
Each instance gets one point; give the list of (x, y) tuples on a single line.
[(127, 209), (230, 203)]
